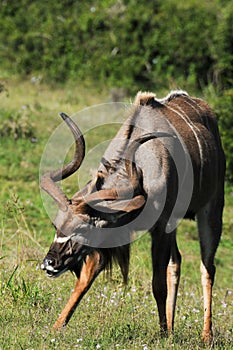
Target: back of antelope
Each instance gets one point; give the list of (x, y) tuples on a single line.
[(166, 163)]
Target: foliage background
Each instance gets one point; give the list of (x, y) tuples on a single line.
[(120, 42)]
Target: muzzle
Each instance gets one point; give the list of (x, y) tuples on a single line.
[(63, 257)]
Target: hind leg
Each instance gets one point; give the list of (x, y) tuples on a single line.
[(173, 279), (209, 221)]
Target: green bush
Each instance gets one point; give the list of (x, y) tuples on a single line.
[(224, 111), (16, 125), (222, 48), (120, 43)]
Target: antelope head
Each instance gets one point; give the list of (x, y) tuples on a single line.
[(80, 220)]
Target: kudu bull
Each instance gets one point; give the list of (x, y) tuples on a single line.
[(166, 163)]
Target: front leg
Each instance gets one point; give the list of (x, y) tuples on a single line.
[(90, 270), (173, 278)]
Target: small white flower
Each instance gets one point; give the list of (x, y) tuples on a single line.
[(196, 311)]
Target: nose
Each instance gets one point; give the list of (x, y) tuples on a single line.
[(48, 264)]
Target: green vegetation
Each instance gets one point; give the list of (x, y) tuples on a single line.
[(67, 55), (119, 42)]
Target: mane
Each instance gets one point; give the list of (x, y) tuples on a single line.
[(144, 98), (173, 94), (149, 98), (119, 255)]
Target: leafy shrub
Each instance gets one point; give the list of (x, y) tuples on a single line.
[(121, 43), (224, 111), (16, 126), (223, 48)]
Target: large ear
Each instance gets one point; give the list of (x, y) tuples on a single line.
[(125, 205)]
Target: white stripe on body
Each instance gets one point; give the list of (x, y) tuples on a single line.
[(188, 121), (200, 115)]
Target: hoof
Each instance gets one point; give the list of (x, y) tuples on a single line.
[(207, 337)]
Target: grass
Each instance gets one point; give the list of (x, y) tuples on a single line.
[(111, 316)]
